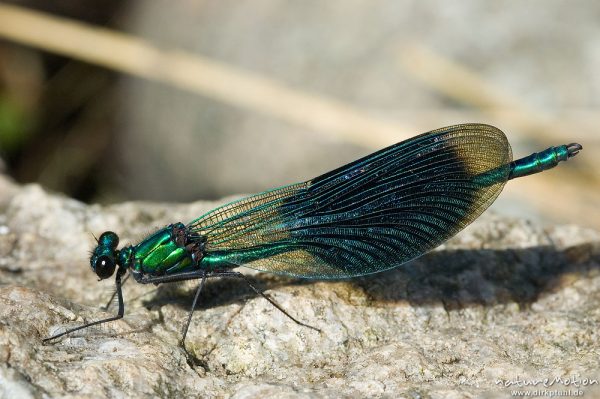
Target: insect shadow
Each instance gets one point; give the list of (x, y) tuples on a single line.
[(485, 277), (456, 278)]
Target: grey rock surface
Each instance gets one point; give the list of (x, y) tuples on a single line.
[(505, 300)]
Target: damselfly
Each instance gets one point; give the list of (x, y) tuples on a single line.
[(373, 214)]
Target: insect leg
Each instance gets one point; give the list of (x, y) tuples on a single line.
[(259, 292), (189, 320), (203, 275), (112, 297), (171, 278), (200, 274), (119, 315)]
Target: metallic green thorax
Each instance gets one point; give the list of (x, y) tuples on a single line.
[(167, 251), (159, 254)]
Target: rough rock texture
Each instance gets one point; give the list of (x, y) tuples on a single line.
[(505, 300)]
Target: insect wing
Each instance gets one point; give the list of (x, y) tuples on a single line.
[(370, 215)]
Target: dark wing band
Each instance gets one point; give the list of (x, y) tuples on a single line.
[(370, 215)]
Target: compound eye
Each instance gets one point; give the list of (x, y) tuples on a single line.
[(104, 267), (108, 239)]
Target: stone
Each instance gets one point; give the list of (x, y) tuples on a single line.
[(503, 303)]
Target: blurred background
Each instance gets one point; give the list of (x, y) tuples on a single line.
[(107, 101)]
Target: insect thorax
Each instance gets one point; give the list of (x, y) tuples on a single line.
[(172, 249)]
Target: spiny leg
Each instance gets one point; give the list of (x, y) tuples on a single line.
[(112, 297), (189, 320), (204, 275), (259, 292), (119, 315), (173, 278), (186, 276)]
